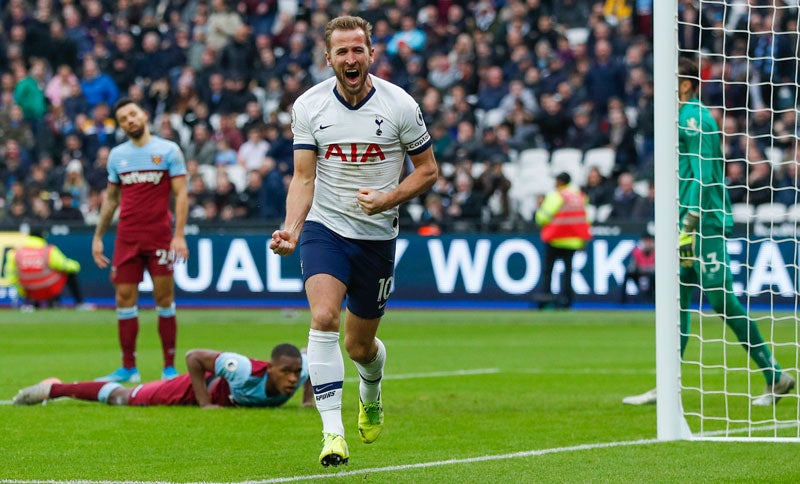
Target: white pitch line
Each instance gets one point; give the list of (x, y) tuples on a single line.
[(468, 460), (419, 465)]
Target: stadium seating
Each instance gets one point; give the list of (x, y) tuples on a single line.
[(568, 160), (602, 158)]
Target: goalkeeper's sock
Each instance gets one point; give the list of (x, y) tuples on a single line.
[(747, 332), (369, 386), (326, 371), (128, 325), (167, 331)]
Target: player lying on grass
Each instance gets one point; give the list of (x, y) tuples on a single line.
[(215, 379)]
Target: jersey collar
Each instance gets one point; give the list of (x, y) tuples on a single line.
[(357, 106)]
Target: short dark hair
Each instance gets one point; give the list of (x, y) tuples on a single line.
[(564, 177), (123, 101), (688, 71), (285, 349)]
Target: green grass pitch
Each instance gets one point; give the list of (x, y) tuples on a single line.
[(470, 396)]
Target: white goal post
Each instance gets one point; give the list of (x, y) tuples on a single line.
[(708, 393)]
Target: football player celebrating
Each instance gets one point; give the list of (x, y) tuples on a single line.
[(352, 133)]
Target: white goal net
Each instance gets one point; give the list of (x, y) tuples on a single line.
[(722, 382)]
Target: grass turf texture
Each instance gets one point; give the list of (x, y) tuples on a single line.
[(547, 380)]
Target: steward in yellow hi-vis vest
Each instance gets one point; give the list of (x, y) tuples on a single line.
[(40, 271), (565, 230)]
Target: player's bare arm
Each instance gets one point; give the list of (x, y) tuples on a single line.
[(198, 362), (420, 181), (298, 202), (107, 210), (178, 245)]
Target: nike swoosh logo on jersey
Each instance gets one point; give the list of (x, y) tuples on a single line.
[(325, 127)]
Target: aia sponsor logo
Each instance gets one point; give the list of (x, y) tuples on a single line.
[(355, 153)]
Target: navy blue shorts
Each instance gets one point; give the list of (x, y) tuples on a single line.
[(366, 267)]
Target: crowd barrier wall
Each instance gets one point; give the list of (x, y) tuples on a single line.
[(465, 270)]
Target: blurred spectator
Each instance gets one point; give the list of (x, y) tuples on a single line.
[(97, 174), (553, 122), (585, 133), (201, 147), (93, 206), (252, 197), (238, 56), (75, 183), (491, 150), (229, 131), (434, 219), (13, 125), (97, 87), (226, 156), (493, 183), (16, 162), (40, 210), (625, 198), (641, 269), (465, 147), (225, 196), (297, 56), (605, 79), (736, 181), (273, 203), (60, 85), (251, 153), (409, 35), (621, 138), (67, 211), (519, 97), (759, 180), (223, 23), (598, 190), (493, 89), (75, 103), (29, 92), (61, 50), (466, 204), (644, 210), (98, 131)]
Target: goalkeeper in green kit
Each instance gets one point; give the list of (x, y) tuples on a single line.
[(704, 213)]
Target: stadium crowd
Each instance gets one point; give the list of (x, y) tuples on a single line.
[(499, 82)]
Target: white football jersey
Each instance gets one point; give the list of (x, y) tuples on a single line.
[(361, 146)]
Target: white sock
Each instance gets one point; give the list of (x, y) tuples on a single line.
[(326, 371), (369, 386)]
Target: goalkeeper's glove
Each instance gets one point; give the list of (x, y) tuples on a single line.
[(686, 249)]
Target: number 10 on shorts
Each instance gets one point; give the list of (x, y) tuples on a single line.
[(384, 288)]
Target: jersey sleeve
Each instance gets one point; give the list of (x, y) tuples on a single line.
[(301, 128), (176, 162), (234, 368), (112, 166), (413, 133)]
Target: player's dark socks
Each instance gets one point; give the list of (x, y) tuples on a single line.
[(128, 331), (168, 330), (81, 390)]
